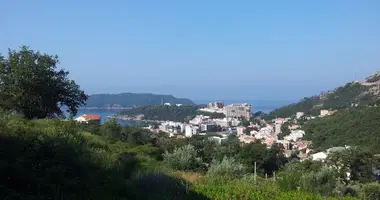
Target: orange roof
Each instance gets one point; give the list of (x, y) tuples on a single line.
[(92, 116)]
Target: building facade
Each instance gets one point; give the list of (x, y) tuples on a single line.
[(238, 111), (215, 105)]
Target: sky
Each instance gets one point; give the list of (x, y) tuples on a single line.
[(202, 50)]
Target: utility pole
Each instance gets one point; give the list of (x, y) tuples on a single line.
[(254, 174)]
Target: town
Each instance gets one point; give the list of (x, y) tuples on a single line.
[(239, 121)]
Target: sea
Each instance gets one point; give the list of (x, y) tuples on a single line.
[(257, 105)]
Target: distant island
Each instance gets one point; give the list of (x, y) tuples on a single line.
[(165, 112), (131, 100)]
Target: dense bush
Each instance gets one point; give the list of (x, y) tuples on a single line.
[(55, 161), (246, 189), (183, 158), (321, 182), (371, 191), (226, 167)]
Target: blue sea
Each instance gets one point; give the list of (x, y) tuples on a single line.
[(105, 113), (257, 105)]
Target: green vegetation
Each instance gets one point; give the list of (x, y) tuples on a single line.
[(172, 113), (133, 99), (30, 84), (164, 112), (357, 126), (340, 98), (56, 159), (213, 115)]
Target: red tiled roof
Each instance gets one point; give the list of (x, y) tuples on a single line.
[(92, 116)]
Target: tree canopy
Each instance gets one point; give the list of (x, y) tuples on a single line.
[(354, 126), (31, 84)]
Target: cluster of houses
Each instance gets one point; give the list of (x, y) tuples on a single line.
[(266, 132)]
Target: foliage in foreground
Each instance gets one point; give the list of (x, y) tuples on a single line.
[(246, 189), (31, 84), (53, 159)]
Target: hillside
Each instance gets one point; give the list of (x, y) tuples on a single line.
[(353, 126), (164, 112), (362, 93), (132, 99)]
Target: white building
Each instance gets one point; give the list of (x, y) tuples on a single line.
[(164, 127), (199, 119), (216, 139), (235, 122), (215, 105), (86, 118), (277, 129), (222, 122), (299, 114), (324, 113), (240, 130), (238, 110), (320, 156), (188, 131), (295, 135)]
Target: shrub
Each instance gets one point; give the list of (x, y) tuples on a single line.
[(322, 182), (289, 180), (183, 158), (226, 167), (371, 191)]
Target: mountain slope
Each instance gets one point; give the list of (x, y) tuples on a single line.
[(133, 99), (361, 93), (164, 112), (353, 126)]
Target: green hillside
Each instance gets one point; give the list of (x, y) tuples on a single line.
[(172, 113), (132, 99), (354, 126), (361, 93)]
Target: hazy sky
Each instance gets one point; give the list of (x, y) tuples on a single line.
[(201, 49)]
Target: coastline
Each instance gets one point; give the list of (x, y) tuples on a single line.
[(125, 118), (105, 108)]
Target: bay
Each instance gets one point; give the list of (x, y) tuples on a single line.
[(257, 105), (104, 113)]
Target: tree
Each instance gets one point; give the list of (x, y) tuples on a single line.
[(248, 130), (226, 167), (183, 158), (274, 159), (136, 135), (111, 129), (31, 84), (244, 123)]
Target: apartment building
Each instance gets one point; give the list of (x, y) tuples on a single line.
[(238, 111), (215, 105)]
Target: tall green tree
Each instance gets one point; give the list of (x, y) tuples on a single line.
[(31, 84)]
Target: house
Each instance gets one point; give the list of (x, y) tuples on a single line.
[(299, 114), (295, 135), (320, 156), (240, 130), (324, 113), (86, 118)]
